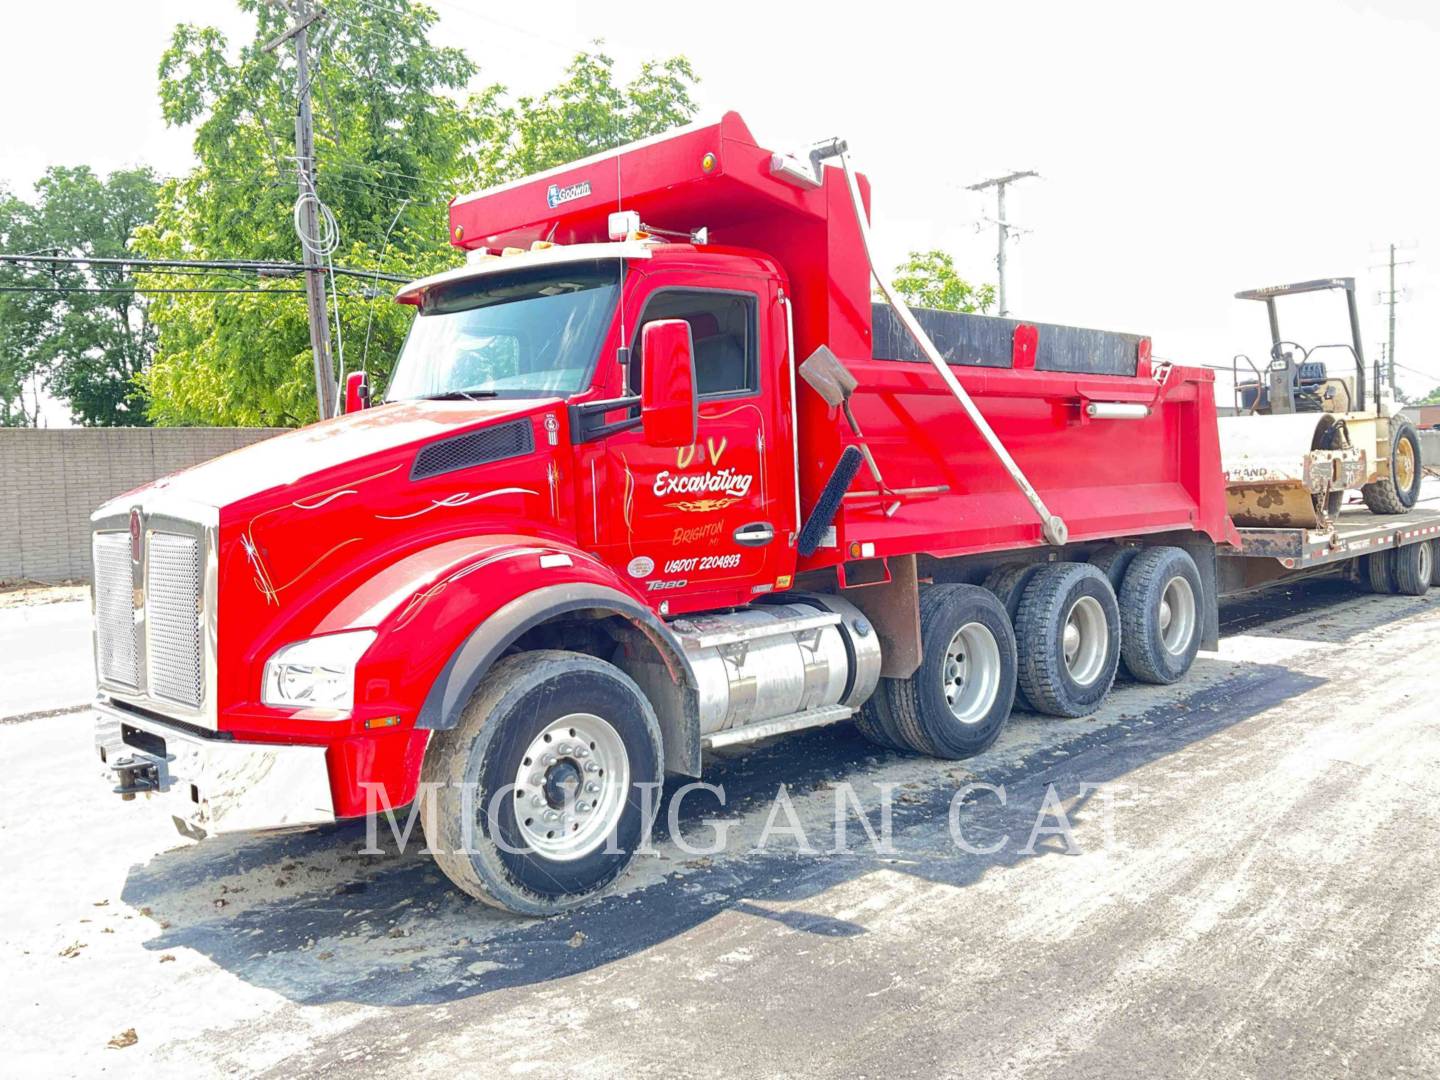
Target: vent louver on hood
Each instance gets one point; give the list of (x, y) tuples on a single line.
[(475, 448)]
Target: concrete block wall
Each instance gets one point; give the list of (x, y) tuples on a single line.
[(51, 479)]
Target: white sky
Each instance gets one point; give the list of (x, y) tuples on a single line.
[(1186, 150)]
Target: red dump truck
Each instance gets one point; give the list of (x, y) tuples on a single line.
[(653, 475)]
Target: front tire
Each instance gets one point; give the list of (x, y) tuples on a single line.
[(544, 778)]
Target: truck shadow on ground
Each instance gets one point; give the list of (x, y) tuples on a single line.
[(1314, 599), (309, 917)]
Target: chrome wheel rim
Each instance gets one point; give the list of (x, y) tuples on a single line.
[(570, 787), (1177, 616), (971, 673), (1427, 562), (1085, 640)]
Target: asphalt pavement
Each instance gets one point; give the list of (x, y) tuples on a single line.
[(1235, 876)]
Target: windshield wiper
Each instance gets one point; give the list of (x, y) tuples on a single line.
[(458, 395)]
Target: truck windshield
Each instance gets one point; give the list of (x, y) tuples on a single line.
[(535, 332)]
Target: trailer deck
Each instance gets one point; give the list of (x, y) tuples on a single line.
[(1356, 532)]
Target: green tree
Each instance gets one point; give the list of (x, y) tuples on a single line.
[(23, 314), (395, 139), (83, 330), (1432, 398), (928, 279)]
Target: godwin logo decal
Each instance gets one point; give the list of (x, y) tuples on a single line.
[(555, 194)]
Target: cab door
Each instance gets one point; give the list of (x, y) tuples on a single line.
[(710, 524)]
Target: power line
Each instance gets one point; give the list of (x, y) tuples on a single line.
[(145, 290), (255, 265)]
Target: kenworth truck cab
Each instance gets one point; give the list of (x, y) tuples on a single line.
[(604, 519)]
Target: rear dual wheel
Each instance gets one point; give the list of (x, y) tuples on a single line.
[(958, 699), (1160, 611), (1067, 629)]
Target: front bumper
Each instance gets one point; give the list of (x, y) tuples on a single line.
[(211, 786)]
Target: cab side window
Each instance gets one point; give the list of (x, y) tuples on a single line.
[(723, 329)]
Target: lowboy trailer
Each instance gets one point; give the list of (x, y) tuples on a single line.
[(652, 476)]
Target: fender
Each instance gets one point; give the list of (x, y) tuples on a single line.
[(444, 616)]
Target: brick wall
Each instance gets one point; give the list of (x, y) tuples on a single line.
[(50, 481)]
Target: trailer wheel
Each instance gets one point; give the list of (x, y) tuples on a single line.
[(1068, 634), (1380, 572), (1113, 560), (1398, 491), (1412, 567), (539, 804), (1434, 561), (1160, 606), (960, 696)]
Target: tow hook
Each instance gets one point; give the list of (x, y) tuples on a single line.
[(136, 775)]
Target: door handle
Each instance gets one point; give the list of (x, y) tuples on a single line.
[(756, 534)]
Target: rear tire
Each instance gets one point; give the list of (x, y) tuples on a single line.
[(957, 701), (1413, 567), (1068, 635), (1008, 583), (1398, 491), (1380, 573), (1113, 560), (549, 828), (1161, 602)]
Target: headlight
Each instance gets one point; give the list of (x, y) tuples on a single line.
[(318, 672)]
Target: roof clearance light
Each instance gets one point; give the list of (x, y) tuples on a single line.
[(708, 163), (476, 255), (459, 232), (622, 223), (541, 245), (507, 252)]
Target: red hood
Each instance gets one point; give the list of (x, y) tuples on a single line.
[(291, 457)]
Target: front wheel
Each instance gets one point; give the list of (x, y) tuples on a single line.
[(537, 800)]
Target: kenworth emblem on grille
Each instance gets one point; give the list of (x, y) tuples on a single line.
[(135, 534)]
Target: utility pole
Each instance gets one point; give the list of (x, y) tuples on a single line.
[(999, 183), (1389, 297), (1390, 352), (325, 394)]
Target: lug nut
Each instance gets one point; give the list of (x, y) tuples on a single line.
[(591, 767), (563, 749), (537, 800), (551, 815), (537, 778), (592, 787), (583, 807), (582, 752), (550, 759)]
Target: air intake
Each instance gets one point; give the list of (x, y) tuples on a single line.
[(476, 448)]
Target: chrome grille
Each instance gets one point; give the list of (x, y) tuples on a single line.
[(117, 655), (172, 618)]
